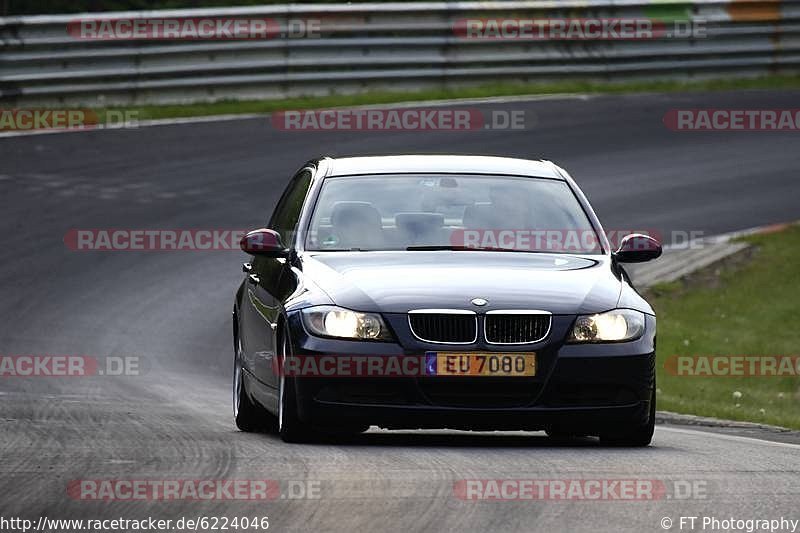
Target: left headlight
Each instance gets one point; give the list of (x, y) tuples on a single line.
[(330, 321), (613, 326)]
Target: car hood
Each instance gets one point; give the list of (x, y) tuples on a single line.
[(396, 282)]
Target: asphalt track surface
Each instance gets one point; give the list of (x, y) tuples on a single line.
[(172, 309)]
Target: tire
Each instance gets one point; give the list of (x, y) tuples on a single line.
[(249, 416), (638, 436), (290, 428)]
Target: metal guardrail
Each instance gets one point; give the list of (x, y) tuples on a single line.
[(392, 46)]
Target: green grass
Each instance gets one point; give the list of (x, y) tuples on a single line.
[(496, 89), (750, 309)]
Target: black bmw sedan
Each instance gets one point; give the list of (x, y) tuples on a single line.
[(460, 292)]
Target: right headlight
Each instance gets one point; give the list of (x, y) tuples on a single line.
[(331, 321), (618, 325)]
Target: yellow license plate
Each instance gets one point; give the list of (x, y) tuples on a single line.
[(485, 364)]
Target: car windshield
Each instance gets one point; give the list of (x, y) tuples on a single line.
[(462, 212)]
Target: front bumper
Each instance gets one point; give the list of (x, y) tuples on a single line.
[(585, 388)]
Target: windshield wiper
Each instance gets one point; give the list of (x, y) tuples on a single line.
[(342, 250), (435, 247), (426, 247)]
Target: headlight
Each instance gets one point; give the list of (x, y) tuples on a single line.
[(613, 326), (329, 321)]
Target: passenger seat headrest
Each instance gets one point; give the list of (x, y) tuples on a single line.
[(350, 213)]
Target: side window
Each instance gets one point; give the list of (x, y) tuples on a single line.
[(287, 212)]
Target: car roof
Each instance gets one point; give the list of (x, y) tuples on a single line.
[(441, 164)]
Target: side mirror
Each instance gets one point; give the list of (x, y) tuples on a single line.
[(265, 242), (637, 248)]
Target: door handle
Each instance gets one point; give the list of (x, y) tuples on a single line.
[(252, 278)]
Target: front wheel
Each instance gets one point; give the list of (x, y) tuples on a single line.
[(290, 427)]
